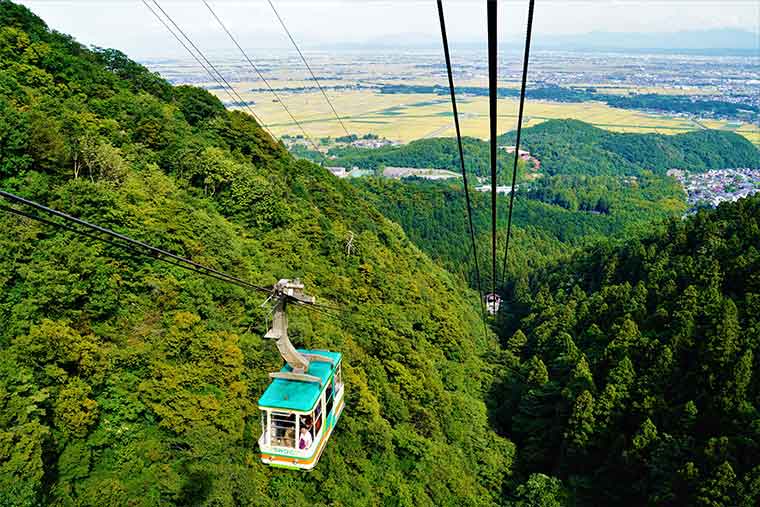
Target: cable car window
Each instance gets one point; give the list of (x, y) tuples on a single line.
[(283, 429), (317, 419), (329, 397), (264, 426), (338, 377)]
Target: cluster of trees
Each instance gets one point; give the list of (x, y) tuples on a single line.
[(126, 381), (353, 137), (434, 217), (680, 104), (551, 215), (649, 101), (630, 372), (604, 194)]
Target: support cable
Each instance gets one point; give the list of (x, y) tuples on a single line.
[(126, 242), (240, 101), (142, 249), (190, 51), (122, 246), (461, 160), (261, 76), (492, 96), (526, 58), (308, 67)]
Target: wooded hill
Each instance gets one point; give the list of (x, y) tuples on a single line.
[(570, 147), (125, 381), (577, 148), (551, 215)]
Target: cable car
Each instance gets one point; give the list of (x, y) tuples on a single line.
[(492, 303), (304, 401)]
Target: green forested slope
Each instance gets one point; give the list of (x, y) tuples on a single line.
[(632, 375), (572, 147), (129, 382), (551, 215)]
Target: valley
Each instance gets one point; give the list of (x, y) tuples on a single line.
[(621, 368)]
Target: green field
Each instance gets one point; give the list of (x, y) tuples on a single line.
[(405, 117)]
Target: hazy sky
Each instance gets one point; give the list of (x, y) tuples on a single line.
[(129, 26)]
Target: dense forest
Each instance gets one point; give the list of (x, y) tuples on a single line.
[(630, 372), (552, 214), (575, 147), (622, 369), (129, 382)]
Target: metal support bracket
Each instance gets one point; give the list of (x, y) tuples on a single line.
[(303, 377), (319, 359)]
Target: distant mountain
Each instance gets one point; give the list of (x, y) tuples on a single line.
[(711, 41), (725, 38), (573, 147)]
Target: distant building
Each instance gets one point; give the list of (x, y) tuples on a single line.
[(501, 189), (373, 143), (511, 149), (340, 172), (428, 174), (524, 155), (355, 172)]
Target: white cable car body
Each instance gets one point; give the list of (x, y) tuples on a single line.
[(290, 407)]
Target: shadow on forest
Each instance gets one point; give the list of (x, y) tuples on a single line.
[(196, 487)]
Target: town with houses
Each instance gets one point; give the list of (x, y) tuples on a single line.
[(710, 188)]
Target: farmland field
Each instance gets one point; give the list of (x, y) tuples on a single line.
[(352, 81), (405, 117)]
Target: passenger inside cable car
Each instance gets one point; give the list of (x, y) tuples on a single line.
[(306, 439)]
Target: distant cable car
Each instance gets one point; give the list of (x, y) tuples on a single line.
[(303, 403), (492, 303)]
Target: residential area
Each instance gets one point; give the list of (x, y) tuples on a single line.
[(710, 188)]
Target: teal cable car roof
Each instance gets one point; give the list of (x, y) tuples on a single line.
[(296, 394)]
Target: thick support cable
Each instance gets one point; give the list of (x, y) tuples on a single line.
[(461, 158), (492, 96), (303, 58), (142, 249), (261, 76), (123, 246), (526, 58), (128, 243)]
